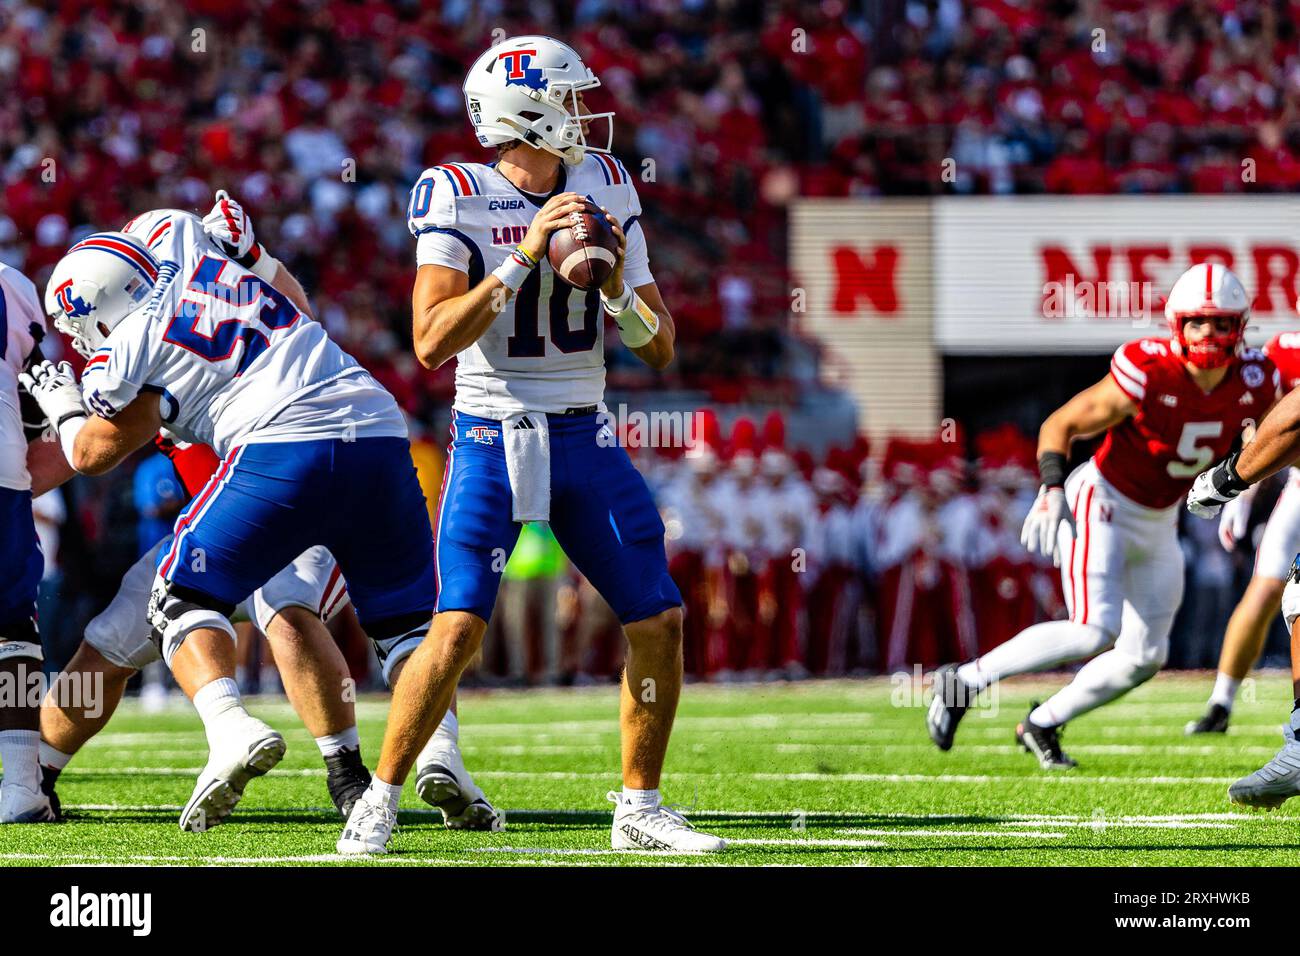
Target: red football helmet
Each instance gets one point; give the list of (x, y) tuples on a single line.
[(1208, 290)]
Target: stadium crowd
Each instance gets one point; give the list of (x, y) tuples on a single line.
[(727, 111)]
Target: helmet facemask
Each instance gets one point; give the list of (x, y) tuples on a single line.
[(1218, 347)]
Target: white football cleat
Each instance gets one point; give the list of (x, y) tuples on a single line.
[(657, 828), (1274, 783), (20, 805), (368, 830), (442, 781), (249, 749)]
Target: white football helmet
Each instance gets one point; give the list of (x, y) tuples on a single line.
[(99, 282), (1208, 290), (525, 88)]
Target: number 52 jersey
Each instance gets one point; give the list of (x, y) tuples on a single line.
[(545, 352), (1153, 456), (232, 359)]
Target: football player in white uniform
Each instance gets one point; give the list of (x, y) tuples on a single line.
[(224, 352), (529, 442), (22, 326)]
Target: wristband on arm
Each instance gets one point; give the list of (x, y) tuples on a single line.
[(260, 262), (1051, 469), (515, 270), (1225, 478), (68, 427), (637, 322)]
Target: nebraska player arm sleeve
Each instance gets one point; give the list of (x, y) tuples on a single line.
[(1131, 379)]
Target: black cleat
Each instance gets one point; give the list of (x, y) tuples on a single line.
[(347, 779), (952, 698), (49, 776), (1044, 743), (1214, 721)]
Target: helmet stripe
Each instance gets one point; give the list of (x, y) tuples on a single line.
[(142, 261)]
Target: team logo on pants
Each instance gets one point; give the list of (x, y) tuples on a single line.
[(482, 434)]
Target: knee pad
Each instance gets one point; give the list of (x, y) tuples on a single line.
[(175, 610), (20, 650), (395, 639)]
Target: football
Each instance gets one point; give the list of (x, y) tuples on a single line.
[(584, 253)]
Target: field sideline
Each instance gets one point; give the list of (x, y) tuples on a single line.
[(834, 773)]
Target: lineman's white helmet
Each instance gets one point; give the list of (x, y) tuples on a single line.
[(1208, 290), (99, 282), (525, 89)]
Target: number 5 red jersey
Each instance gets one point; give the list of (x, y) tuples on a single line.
[(1178, 430)]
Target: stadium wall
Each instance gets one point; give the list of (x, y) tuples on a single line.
[(891, 287)]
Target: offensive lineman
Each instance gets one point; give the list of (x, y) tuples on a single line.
[(527, 440), (293, 610), (314, 453), (1169, 407)]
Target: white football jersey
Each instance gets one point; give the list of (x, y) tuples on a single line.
[(20, 312), (545, 352), (233, 359)]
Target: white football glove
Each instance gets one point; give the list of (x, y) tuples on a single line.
[(229, 227), (1039, 532), (1235, 519), (1214, 488), (55, 389)]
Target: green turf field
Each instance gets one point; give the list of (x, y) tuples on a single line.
[(838, 773)]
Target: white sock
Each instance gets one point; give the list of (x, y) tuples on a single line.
[(641, 799), (1098, 682), (331, 744), (1225, 690), (1036, 648), (218, 701), (1295, 721), (55, 759), (19, 751), (449, 727), (384, 794)]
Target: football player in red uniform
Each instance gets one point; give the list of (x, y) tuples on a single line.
[(1169, 407), (1243, 641)]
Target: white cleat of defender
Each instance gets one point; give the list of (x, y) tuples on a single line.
[(657, 828), (250, 752), (1274, 783), (369, 828), (442, 781), (20, 805)]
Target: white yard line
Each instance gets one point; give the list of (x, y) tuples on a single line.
[(1037, 834)]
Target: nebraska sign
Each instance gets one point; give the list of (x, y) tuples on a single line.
[(1084, 274)]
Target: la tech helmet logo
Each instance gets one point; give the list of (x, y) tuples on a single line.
[(73, 306), (518, 72)]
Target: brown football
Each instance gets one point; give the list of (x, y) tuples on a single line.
[(584, 253)]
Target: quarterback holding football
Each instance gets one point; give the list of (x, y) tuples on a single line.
[(528, 441)]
